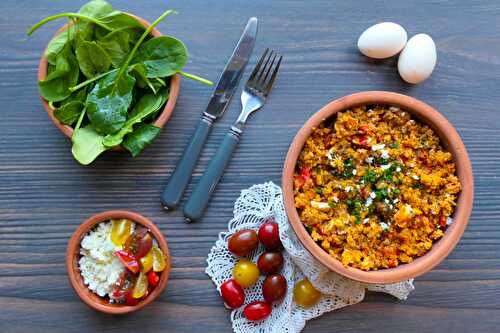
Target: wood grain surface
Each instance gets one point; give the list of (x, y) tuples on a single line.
[(45, 194)]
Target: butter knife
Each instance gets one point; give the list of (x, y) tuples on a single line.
[(226, 86)]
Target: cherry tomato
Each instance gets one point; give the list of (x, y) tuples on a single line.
[(139, 243), (304, 294), (232, 293), (147, 262), (274, 288), (123, 286), (270, 262), (128, 260), (257, 310), (120, 231), (141, 286), (130, 300), (246, 273), (269, 235), (159, 262), (243, 242), (153, 279)]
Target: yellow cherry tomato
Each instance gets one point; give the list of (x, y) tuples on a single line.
[(147, 261), (158, 259), (304, 294), (141, 286), (246, 273), (120, 231)]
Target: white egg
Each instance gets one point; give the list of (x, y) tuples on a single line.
[(382, 40), (418, 59)]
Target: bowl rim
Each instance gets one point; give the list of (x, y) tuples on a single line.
[(72, 257), (175, 83), (453, 143)]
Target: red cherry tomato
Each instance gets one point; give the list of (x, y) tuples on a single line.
[(128, 260), (274, 288), (130, 300), (243, 242), (270, 262), (139, 243), (153, 278), (124, 285), (232, 293), (257, 310), (269, 235)]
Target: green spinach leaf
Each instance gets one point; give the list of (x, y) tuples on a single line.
[(69, 112), (145, 107), (57, 44), (95, 9), (92, 59), (163, 56), (60, 77), (117, 46), (108, 102), (139, 71), (140, 138), (87, 145)]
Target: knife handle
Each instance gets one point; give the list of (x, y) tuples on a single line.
[(198, 201), (180, 178)]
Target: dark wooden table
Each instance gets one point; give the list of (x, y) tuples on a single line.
[(45, 194)]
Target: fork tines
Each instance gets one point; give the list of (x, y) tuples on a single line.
[(259, 80)]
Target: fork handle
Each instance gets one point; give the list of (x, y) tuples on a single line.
[(180, 178), (198, 201)]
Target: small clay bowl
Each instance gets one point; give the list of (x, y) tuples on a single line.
[(449, 139), (175, 83), (73, 256)]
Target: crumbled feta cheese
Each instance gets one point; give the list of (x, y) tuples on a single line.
[(320, 205), (335, 198), (348, 189), (370, 110), (398, 169), (384, 154), (415, 177), (403, 113), (354, 172), (99, 267), (449, 220), (369, 160), (384, 226), (366, 220), (378, 147), (394, 108), (385, 166), (386, 201), (373, 195), (395, 200), (368, 202)]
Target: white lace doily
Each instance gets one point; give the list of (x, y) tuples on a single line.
[(254, 206)]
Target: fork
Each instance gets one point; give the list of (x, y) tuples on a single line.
[(253, 97)]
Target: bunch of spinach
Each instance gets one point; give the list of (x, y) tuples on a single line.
[(108, 78)]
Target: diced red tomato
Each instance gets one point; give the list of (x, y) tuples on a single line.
[(153, 278), (365, 129), (302, 177), (442, 221), (363, 140), (128, 260)]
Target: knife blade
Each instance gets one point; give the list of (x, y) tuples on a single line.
[(219, 101), (231, 75)]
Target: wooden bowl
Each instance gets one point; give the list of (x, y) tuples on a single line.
[(175, 83), (73, 256), (449, 139)]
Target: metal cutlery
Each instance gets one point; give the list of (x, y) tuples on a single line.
[(253, 97), (228, 82)]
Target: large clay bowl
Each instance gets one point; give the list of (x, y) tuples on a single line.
[(73, 256), (449, 139), (175, 83)]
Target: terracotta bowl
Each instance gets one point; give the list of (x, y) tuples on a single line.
[(73, 256), (175, 83), (449, 139)]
